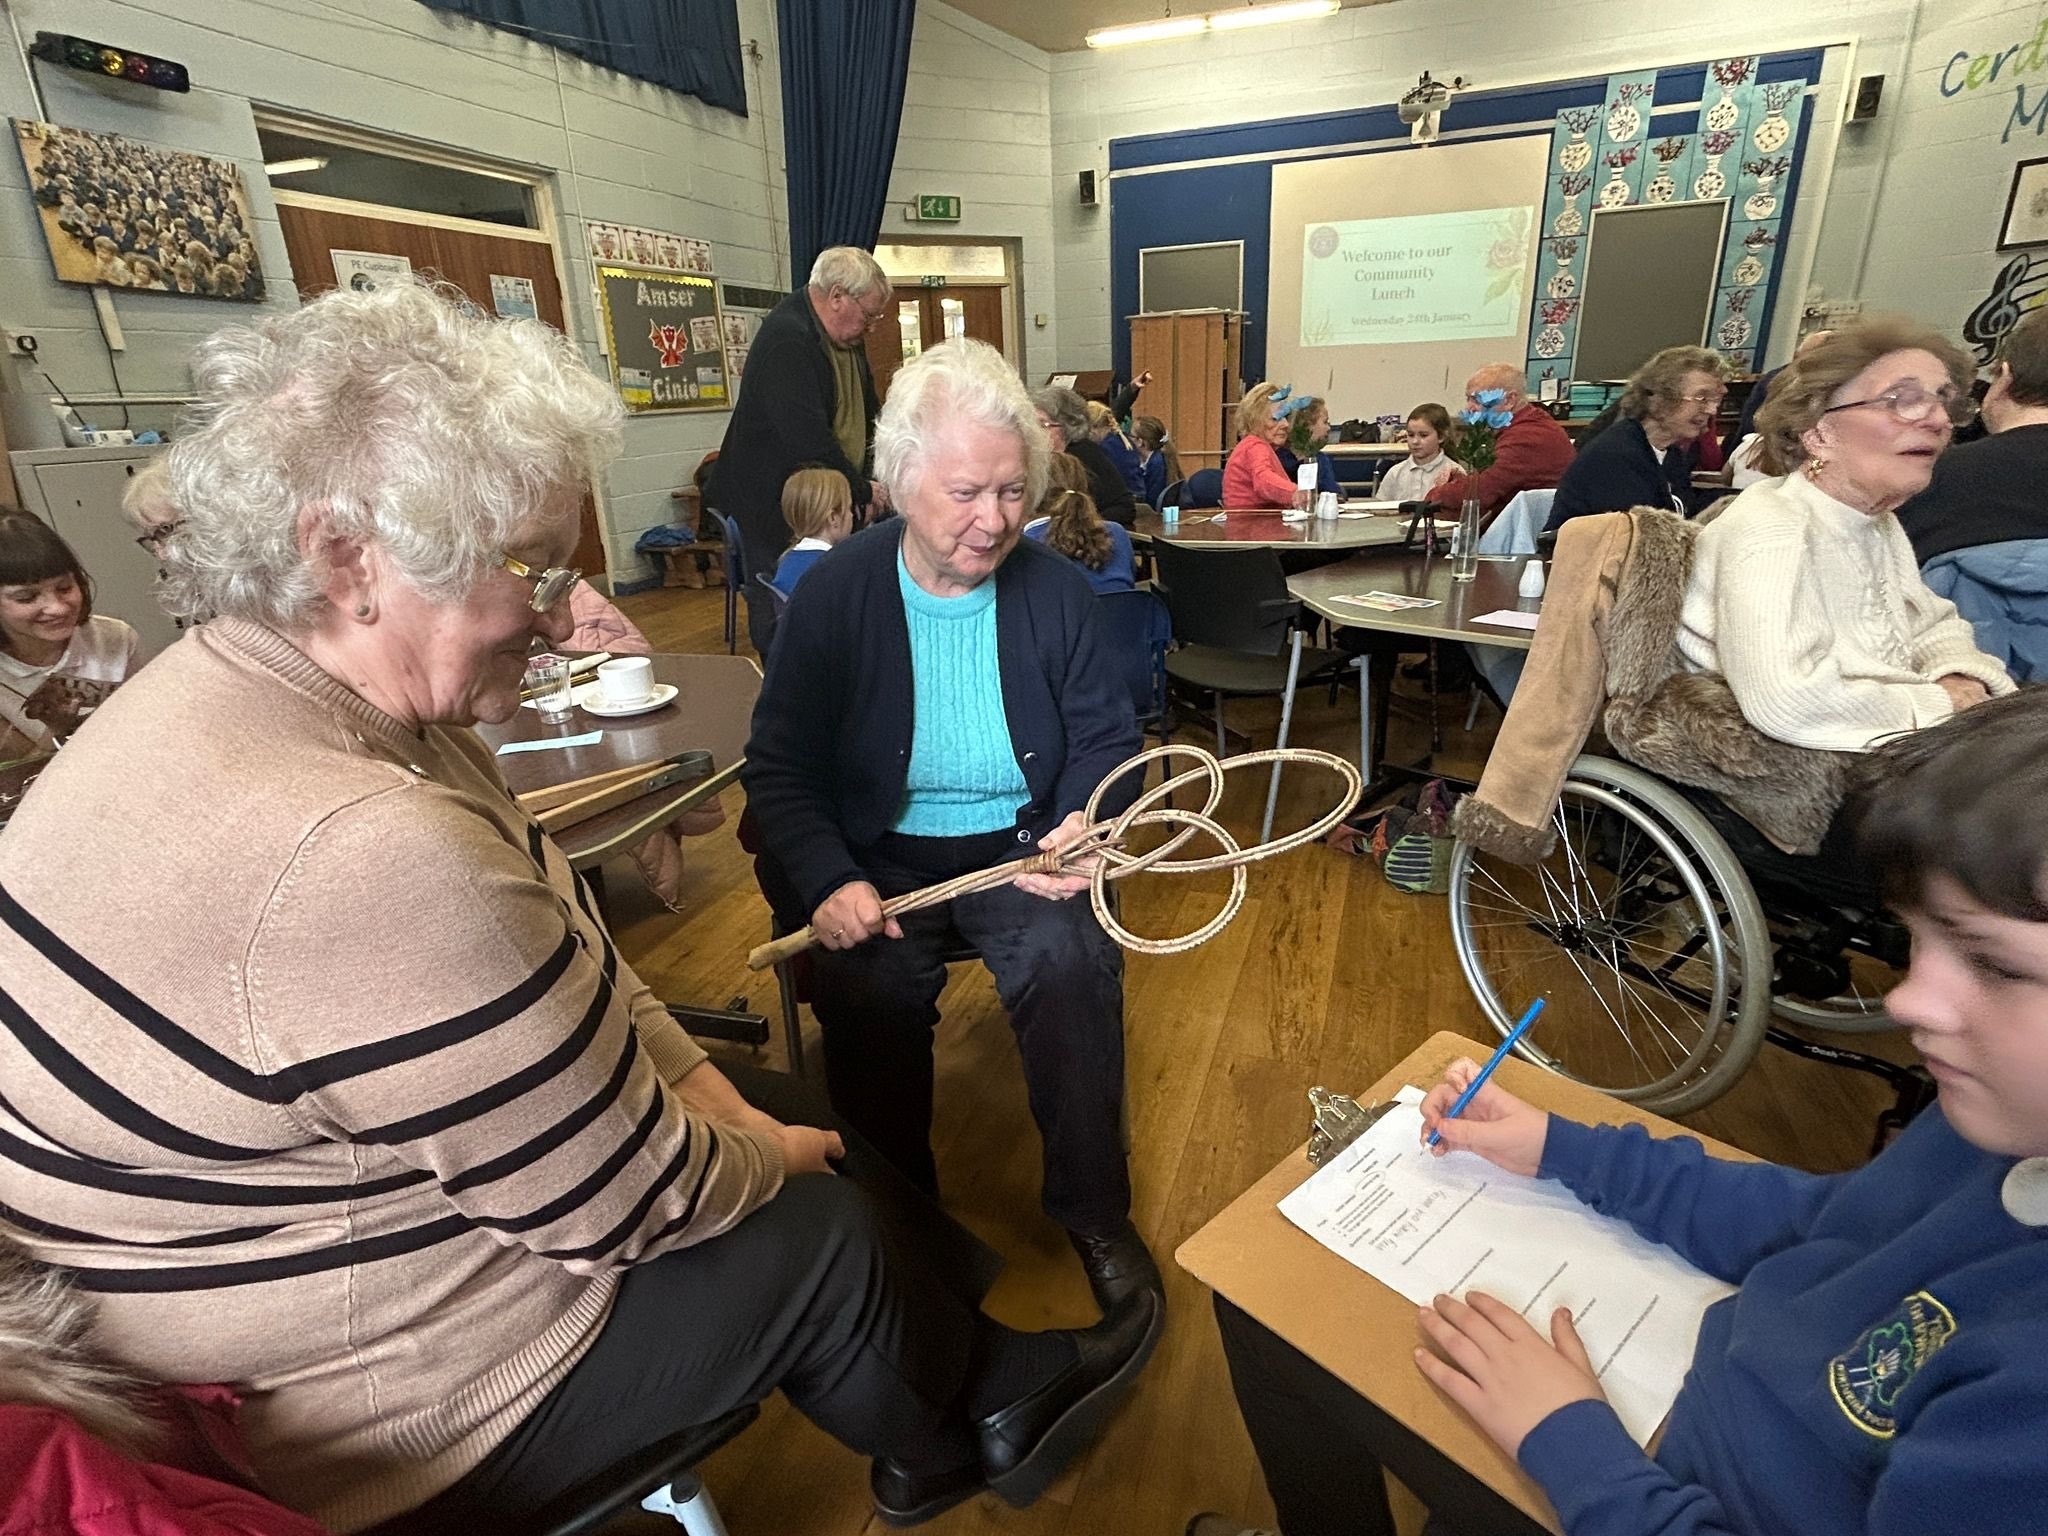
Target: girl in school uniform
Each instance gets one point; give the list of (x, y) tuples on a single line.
[(1428, 465), (58, 659)]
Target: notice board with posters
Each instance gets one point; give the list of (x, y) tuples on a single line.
[(666, 339)]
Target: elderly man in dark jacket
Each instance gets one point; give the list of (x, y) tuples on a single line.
[(808, 399)]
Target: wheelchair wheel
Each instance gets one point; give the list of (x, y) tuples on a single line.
[(1639, 928), (1858, 1011)]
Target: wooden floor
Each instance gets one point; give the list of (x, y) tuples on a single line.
[(1328, 975)]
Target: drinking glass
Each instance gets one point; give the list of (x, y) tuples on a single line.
[(547, 684), (1465, 548)]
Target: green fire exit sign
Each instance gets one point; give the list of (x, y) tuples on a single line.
[(938, 206)]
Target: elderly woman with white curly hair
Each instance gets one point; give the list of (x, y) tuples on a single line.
[(939, 701), (324, 1078)]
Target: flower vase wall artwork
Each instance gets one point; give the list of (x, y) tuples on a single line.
[(1742, 143)]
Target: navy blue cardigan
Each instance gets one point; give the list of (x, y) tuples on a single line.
[(830, 752), (1618, 470)]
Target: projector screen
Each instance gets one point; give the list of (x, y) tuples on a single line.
[(1396, 274), (1426, 277)]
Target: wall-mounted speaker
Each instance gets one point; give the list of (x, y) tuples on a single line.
[(1869, 92), (1088, 194)]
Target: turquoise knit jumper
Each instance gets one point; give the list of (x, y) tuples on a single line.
[(964, 778)]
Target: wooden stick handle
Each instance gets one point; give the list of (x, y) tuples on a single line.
[(538, 800), (775, 951)]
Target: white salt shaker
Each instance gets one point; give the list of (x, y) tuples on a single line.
[(1532, 580)]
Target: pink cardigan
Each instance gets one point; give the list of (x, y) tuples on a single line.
[(1253, 476)]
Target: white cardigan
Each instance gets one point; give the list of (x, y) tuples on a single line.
[(1816, 615)]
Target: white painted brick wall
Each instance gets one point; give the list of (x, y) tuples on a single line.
[(977, 121), (977, 118)]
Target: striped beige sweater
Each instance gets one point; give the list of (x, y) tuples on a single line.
[(319, 1072)]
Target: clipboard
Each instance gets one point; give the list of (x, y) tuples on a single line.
[(1346, 1321)]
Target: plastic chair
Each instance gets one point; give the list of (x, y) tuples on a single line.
[(1204, 488), (1239, 636), (762, 590), (1137, 629), (660, 1478), (735, 567), (1170, 496), (1514, 531)]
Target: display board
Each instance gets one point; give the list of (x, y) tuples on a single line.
[(1625, 318), (1174, 277), (1395, 275), (666, 339)]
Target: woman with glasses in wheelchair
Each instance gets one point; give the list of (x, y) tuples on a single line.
[(1804, 593), (1882, 1368)]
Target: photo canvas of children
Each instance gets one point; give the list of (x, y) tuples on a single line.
[(130, 215)]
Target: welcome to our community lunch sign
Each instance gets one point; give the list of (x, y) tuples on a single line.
[(666, 339)]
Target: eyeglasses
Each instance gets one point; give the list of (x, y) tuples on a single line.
[(870, 318), (1909, 403), (1713, 399), (153, 541), (549, 586)]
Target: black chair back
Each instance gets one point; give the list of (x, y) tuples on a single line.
[(1136, 630), (1170, 495), (774, 596), (1233, 599), (1204, 488)]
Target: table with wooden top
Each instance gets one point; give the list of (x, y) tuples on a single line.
[(712, 712), (1407, 573), (1350, 1324), (1267, 528)]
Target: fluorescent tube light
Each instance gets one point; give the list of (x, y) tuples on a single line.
[(1149, 31), (295, 167), (1262, 15)]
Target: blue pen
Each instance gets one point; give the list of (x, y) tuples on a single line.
[(1479, 1082)]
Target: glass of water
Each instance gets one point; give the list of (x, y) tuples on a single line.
[(547, 685)]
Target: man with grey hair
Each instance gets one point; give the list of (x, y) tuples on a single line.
[(1531, 452), (808, 400)]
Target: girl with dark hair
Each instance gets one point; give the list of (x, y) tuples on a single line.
[(1429, 462), (58, 661), (1069, 523)]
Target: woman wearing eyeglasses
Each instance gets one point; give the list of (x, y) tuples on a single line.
[(324, 1077), (1804, 593), (1641, 461)]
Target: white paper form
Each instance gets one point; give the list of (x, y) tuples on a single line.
[(1425, 1226)]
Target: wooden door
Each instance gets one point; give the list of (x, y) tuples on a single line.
[(465, 258), (923, 317)]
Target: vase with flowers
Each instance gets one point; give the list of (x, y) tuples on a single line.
[(1478, 443)]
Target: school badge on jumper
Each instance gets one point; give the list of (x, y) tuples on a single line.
[(1867, 1377)]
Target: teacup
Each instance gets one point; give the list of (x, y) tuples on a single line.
[(625, 681)]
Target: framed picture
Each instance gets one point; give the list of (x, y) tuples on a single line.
[(130, 215), (2026, 207)]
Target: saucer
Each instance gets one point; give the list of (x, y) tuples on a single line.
[(590, 698)]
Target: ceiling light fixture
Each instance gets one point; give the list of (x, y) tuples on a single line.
[(1263, 15), (295, 166), (1147, 31), (1219, 21)]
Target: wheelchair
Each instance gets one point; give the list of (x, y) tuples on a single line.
[(1673, 942)]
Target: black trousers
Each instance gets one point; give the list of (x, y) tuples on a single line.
[(851, 1294), (1060, 977), (1323, 1449)]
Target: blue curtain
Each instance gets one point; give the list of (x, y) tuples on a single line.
[(844, 64), (692, 46)]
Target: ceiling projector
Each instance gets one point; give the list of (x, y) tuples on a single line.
[(1428, 98)]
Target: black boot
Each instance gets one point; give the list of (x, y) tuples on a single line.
[(1118, 1265)]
